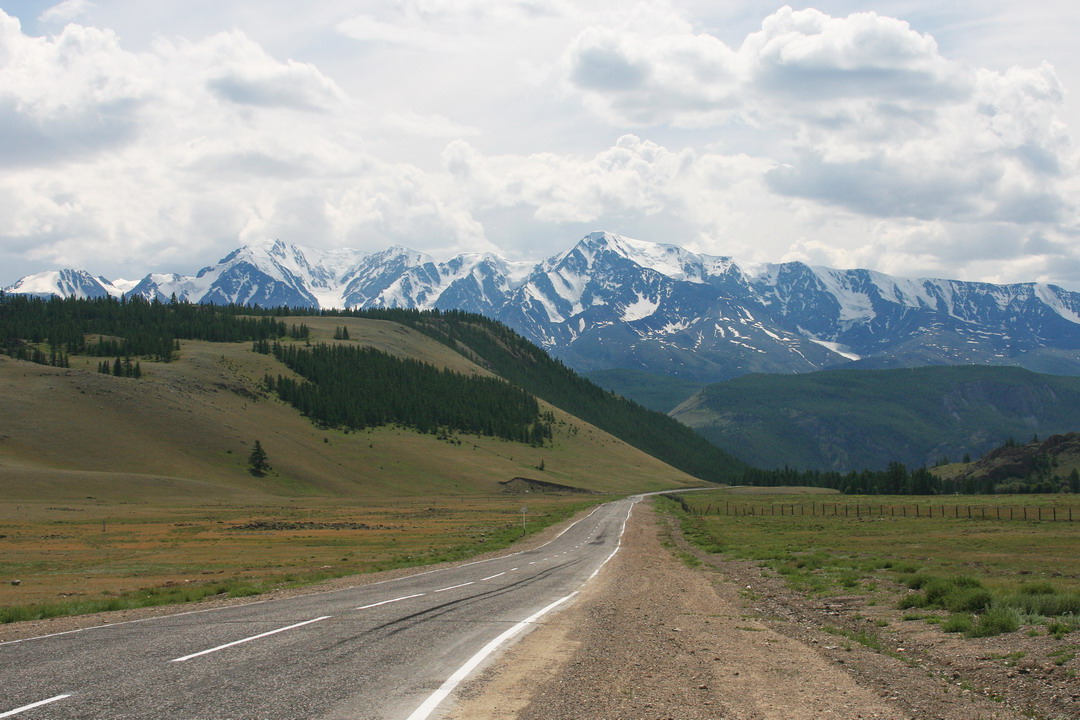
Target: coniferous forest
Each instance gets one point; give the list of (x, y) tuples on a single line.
[(128, 327), (359, 387)]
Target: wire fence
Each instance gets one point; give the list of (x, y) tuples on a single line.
[(915, 510)]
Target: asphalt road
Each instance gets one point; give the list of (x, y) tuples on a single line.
[(394, 649)]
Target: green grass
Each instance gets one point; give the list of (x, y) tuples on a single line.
[(990, 576)]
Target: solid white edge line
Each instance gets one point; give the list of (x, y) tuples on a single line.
[(455, 587), (31, 706), (386, 602), (432, 702), (249, 639)]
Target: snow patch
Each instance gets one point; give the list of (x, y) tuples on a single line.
[(837, 348), (643, 307), (1053, 300)]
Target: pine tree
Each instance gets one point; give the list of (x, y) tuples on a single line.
[(257, 461)]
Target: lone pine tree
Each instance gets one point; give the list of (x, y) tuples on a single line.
[(258, 463)]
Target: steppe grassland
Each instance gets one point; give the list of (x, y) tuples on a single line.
[(845, 553), (162, 462), (92, 550)]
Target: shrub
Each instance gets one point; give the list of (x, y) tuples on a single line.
[(995, 621), (967, 600), (1046, 604), (1040, 587), (958, 623)]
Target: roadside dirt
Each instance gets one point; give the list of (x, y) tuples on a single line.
[(652, 638)]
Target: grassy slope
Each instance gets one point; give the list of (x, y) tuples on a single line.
[(117, 492), (855, 419), (186, 428)]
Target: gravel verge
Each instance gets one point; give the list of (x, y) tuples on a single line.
[(653, 638)]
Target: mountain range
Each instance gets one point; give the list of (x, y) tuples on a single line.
[(615, 302)]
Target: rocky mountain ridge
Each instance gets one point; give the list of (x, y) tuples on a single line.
[(615, 302)]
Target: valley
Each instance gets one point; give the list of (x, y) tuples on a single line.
[(119, 491)]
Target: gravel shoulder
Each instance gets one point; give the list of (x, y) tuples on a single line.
[(652, 637)]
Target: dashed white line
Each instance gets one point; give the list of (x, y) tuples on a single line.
[(454, 587), (387, 602), (249, 639), (31, 706), (429, 705)]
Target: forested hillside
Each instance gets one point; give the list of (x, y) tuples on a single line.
[(513, 357), (849, 420), (135, 328), (357, 387)]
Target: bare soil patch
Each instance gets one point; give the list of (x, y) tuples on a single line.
[(653, 638)]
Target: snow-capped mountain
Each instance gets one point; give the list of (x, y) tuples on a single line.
[(614, 302), (65, 283)]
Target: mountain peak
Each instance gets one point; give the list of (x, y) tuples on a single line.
[(66, 282)]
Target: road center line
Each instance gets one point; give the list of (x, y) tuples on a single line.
[(386, 602), (492, 577), (429, 705), (453, 587), (249, 639), (31, 706)]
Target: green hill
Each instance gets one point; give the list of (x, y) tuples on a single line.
[(186, 426), (855, 419)]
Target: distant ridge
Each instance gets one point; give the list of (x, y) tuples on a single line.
[(851, 420), (611, 302)]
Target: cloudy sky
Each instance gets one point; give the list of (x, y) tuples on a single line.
[(914, 137)]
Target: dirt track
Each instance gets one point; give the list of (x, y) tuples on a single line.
[(652, 638)]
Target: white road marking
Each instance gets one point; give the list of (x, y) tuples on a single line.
[(453, 587), (249, 639), (492, 577), (617, 545), (429, 705), (386, 602), (31, 706)]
